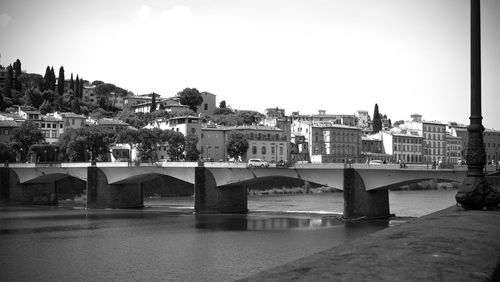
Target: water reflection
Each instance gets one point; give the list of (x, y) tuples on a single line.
[(255, 222)]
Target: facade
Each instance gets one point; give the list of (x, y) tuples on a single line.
[(71, 120), (51, 128), (330, 142), (265, 142), (208, 105), (453, 149), (407, 148), (434, 134), (363, 119), (372, 148), (491, 140), (88, 94)]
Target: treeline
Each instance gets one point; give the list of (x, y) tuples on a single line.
[(49, 93), (94, 143)]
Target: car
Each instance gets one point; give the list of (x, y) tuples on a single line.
[(376, 162), (257, 163)]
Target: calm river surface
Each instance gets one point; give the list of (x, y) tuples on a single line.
[(167, 242)]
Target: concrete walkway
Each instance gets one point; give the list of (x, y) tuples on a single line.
[(449, 245)]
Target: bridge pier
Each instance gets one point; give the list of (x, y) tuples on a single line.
[(12, 191), (362, 204), (212, 199), (102, 195)]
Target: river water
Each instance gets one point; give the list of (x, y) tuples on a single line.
[(167, 242)]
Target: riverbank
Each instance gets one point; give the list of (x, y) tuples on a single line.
[(449, 245)]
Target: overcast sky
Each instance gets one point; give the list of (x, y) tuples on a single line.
[(409, 56)]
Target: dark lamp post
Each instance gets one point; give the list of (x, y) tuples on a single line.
[(475, 192)]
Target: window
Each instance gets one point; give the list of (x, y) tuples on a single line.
[(263, 150), (54, 125), (205, 107), (254, 150), (281, 150), (273, 150), (72, 121), (193, 130)]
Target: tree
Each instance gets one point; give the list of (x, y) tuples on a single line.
[(93, 141), (26, 135), (17, 74), (377, 121), (52, 79), (192, 153), (77, 86), (153, 103), (128, 136), (148, 141), (33, 97), (45, 107), (398, 123), (222, 104), (190, 97), (236, 144), (31, 80), (80, 92), (60, 81), (9, 80), (250, 117), (72, 83)]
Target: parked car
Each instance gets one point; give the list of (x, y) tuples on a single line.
[(257, 163)]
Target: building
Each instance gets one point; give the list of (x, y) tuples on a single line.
[(453, 149), (7, 128), (51, 127), (407, 148), (434, 134), (372, 148), (265, 142), (71, 120), (363, 119), (89, 95), (208, 105), (330, 142)]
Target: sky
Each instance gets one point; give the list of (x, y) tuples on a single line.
[(408, 56)]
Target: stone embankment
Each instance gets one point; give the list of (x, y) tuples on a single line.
[(449, 245)]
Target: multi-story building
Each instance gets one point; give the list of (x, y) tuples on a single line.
[(453, 149), (363, 118), (434, 134), (71, 120), (491, 139), (51, 128), (407, 148), (330, 142), (113, 124), (265, 142)]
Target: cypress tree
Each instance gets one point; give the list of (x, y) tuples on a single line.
[(377, 121), (60, 81), (153, 103), (77, 86), (80, 93), (52, 79), (46, 80), (7, 89), (72, 83), (17, 72)]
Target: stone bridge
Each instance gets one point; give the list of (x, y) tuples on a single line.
[(218, 188)]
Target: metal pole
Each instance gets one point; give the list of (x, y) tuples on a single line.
[(475, 192)]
